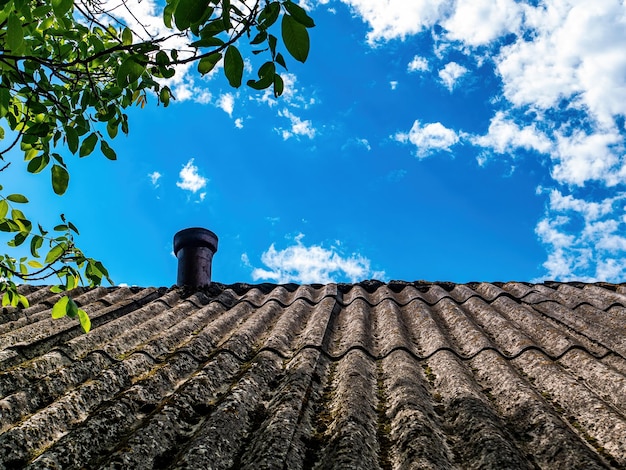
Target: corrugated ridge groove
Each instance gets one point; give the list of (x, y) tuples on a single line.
[(68, 330), (537, 429), (42, 429), (476, 434), (351, 412), (573, 320), (32, 397), (414, 413), (38, 326), (168, 377), (353, 327), (250, 328), (597, 422), (542, 329), (112, 322), (503, 331), (142, 411), (13, 318)]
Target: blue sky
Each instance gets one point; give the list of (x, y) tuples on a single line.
[(467, 140)]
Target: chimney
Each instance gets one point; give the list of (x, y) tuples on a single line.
[(194, 248)]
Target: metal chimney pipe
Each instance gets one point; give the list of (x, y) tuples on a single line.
[(194, 248)]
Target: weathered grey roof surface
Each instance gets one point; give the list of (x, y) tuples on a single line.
[(398, 375)]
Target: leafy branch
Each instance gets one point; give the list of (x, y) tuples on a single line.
[(68, 72)]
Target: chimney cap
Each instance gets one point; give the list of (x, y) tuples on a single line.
[(195, 237)]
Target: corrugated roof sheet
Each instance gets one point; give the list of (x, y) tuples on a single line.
[(371, 375)]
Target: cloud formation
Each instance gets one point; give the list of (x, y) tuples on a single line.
[(299, 127), (591, 253), (429, 138), (450, 74), (562, 98), (311, 264), (154, 178), (190, 179)]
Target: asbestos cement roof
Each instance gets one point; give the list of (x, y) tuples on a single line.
[(371, 375)]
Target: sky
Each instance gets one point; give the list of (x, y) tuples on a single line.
[(440, 140)]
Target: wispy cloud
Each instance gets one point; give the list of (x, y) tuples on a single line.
[(562, 99), (429, 138), (155, 176), (226, 103), (450, 74), (418, 64), (312, 264), (190, 179), (594, 253), (298, 126)]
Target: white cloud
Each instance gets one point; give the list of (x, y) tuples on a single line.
[(239, 123), (505, 136), (298, 127), (478, 22), (226, 103), (429, 138), (576, 53), (581, 157), (311, 264), (594, 253), (451, 74), (190, 179), (418, 64), (397, 19), (154, 178), (393, 84), (562, 69)]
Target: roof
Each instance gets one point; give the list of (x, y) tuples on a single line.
[(370, 375)]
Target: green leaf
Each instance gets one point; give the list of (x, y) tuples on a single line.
[(61, 7), (188, 12), (55, 253), (269, 15), (107, 150), (207, 42), (131, 70), (17, 240), (164, 96), (207, 63), (233, 66), (4, 208), (37, 164), (73, 227), (279, 85), (296, 38), (299, 14), (266, 77), (35, 264), (281, 60), (23, 300), (71, 135), (59, 310), (259, 38), (85, 322), (88, 145), (60, 179), (15, 34), (35, 244), (127, 37), (18, 198), (226, 14), (5, 100), (7, 225)]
